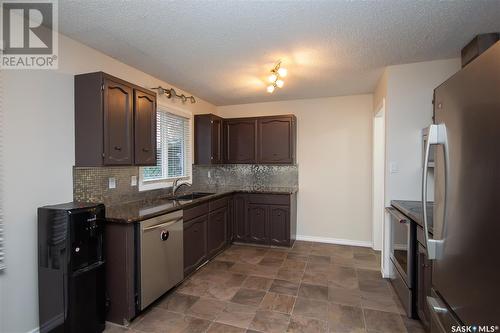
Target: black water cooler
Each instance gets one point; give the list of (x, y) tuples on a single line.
[(71, 280)]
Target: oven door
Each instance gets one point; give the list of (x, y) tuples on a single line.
[(402, 254)]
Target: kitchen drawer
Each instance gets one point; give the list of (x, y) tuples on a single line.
[(404, 293), (269, 199), (217, 203), (196, 211)]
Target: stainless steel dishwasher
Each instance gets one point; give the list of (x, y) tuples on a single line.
[(161, 260)]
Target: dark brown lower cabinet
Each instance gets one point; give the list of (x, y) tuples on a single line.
[(279, 225), (265, 219), (424, 285), (217, 231), (240, 232), (258, 221), (195, 243)]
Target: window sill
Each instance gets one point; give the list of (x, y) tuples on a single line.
[(148, 185)]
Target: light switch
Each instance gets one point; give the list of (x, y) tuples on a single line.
[(393, 167), (209, 174), (112, 182), (133, 181)]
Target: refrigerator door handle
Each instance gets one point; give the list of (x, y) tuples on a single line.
[(436, 309), (436, 136)]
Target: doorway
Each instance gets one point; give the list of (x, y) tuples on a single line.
[(378, 182)]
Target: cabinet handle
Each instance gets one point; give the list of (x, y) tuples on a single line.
[(118, 148), (146, 150)]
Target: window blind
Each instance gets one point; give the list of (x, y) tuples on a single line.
[(173, 150)]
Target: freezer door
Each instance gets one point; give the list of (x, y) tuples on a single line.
[(466, 272), (442, 319)]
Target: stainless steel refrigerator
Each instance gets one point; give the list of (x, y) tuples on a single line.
[(465, 247)]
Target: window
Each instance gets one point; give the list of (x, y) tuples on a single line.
[(173, 152)]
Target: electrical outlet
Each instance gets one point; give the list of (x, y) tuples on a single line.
[(133, 181), (112, 182)]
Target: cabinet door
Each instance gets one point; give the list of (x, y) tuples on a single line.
[(240, 231), (240, 140), (144, 128), (118, 124), (276, 140), (217, 155), (195, 243), (230, 219), (424, 281), (217, 231), (279, 225), (258, 223)]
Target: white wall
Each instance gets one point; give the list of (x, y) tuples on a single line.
[(334, 158), (409, 108), (38, 141), (408, 92)]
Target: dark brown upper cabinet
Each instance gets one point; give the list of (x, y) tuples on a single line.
[(115, 122), (258, 140), (208, 148), (276, 140), (144, 128), (118, 123), (240, 142)]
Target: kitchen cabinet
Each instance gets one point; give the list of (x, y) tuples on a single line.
[(118, 124), (195, 243), (115, 122), (144, 128), (256, 140), (279, 225), (217, 231), (208, 143), (240, 232), (240, 142), (276, 140), (268, 219), (258, 224)]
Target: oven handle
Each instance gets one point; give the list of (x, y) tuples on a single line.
[(436, 136), (397, 215)]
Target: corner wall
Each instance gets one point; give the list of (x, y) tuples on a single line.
[(334, 140), (408, 92), (38, 156)]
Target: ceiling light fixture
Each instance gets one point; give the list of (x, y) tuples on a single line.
[(276, 77)]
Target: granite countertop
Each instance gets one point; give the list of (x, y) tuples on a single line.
[(413, 210), (140, 210)]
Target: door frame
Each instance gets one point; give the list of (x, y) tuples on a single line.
[(378, 177)]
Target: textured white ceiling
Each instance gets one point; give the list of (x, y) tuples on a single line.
[(222, 51)]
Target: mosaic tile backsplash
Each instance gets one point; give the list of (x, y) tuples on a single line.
[(246, 175), (90, 184)]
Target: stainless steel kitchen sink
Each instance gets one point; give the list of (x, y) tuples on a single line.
[(192, 196)]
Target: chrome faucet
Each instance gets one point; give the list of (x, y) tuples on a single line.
[(175, 187)]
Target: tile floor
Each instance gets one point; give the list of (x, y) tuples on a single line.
[(312, 287)]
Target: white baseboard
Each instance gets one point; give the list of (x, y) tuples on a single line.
[(338, 241)]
